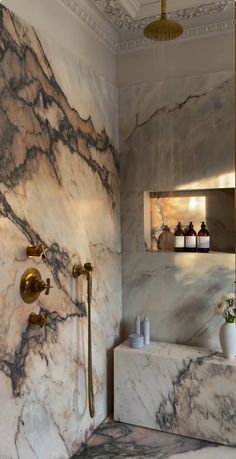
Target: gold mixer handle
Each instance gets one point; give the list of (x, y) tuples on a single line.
[(36, 251), (43, 252), (48, 286), (38, 319)]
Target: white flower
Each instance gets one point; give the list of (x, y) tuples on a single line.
[(226, 305), (220, 307), (231, 296)]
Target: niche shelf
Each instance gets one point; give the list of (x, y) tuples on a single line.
[(214, 206)]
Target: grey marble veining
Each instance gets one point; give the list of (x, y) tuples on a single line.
[(163, 129), (125, 441), (59, 186), (177, 389)]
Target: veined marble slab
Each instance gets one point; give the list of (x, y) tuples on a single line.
[(118, 440), (177, 134), (59, 186), (177, 389)]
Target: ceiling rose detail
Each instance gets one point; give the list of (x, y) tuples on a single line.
[(123, 21)]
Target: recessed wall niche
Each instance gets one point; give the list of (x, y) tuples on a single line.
[(213, 206)]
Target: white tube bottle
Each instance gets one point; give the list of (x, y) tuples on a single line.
[(146, 330), (137, 326)]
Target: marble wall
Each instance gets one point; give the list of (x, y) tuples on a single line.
[(174, 135), (59, 186)]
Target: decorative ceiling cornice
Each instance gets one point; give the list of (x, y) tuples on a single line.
[(81, 13), (91, 20), (123, 22), (191, 33)]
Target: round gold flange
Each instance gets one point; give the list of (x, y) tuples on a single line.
[(28, 279)]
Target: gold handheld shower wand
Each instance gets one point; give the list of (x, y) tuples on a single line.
[(78, 271)]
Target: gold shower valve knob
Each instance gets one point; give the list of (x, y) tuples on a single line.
[(36, 251), (38, 319), (32, 285)]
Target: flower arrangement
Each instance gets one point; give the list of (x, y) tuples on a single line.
[(226, 307)]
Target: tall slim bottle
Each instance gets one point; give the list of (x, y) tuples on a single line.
[(203, 239), (190, 239), (179, 238)]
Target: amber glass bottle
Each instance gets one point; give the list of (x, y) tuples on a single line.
[(190, 239), (166, 240), (179, 238), (203, 239)]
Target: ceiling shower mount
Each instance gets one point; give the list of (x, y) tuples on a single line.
[(163, 29)]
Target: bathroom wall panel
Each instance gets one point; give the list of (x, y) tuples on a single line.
[(175, 135), (59, 185), (179, 133)]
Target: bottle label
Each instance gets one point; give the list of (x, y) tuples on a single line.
[(203, 242), (179, 242), (190, 242)]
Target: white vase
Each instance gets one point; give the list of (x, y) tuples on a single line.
[(228, 339)]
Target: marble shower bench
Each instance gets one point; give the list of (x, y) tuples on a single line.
[(184, 390)]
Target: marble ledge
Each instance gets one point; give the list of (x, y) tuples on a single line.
[(178, 352), (179, 389)]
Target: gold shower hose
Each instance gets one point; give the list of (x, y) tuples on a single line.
[(90, 360), (78, 270)]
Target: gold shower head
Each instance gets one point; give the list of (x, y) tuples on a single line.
[(163, 29)]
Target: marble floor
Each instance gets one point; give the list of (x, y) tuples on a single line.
[(124, 441)]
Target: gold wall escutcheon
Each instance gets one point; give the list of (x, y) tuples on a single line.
[(32, 285)]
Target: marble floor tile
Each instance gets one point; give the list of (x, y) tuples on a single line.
[(124, 441)]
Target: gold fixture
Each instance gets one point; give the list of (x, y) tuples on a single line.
[(78, 270), (32, 285), (38, 319), (163, 29), (36, 251)]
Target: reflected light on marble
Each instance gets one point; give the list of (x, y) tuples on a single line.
[(218, 181), (196, 203)]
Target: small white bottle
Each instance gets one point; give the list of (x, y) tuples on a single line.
[(137, 326), (146, 330)]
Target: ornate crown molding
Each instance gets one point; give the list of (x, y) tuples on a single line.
[(83, 15), (191, 33), (91, 20), (124, 22)]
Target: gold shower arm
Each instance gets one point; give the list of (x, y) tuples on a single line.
[(163, 8)]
